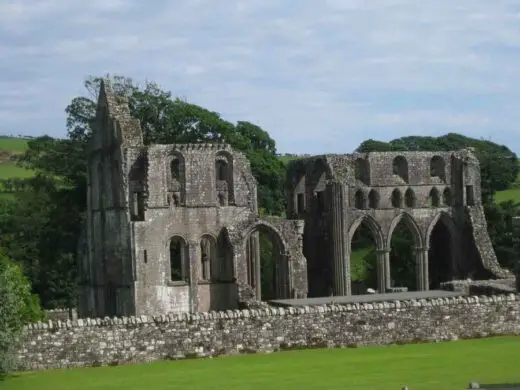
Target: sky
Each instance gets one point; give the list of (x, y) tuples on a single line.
[(320, 76)]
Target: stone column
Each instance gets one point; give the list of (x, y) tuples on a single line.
[(194, 262), (341, 263), (255, 252), (421, 264), (383, 270)]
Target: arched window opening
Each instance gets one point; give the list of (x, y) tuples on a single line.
[(224, 178), (434, 198), (373, 199), (176, 180), (208, 257), (447, 197), (400, 168), (397, 199), (405, 237), (409, 198), (361, 170), (360, 202), (438, 168), (137, 183), (267, 264), (441, 253), (179, 261), (175, 169), (363, 258)]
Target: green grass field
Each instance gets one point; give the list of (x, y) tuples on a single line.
[(13, 144), (446, 366)]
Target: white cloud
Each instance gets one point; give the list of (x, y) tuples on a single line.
[(319, 75)]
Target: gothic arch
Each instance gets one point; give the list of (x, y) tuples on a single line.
[(279, 269), (224, 173), (411, 224), (447, 220), (267, 227), (178, 258), (374, 226)]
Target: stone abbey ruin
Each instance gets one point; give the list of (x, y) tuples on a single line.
[(175, 228)]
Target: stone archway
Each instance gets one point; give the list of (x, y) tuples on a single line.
[(419, 252), (266, 262), (381, 261), (441, 239)]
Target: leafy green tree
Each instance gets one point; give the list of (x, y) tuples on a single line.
[(18, 307)]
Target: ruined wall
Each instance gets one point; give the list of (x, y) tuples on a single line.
[(90, 342), (436, 194)]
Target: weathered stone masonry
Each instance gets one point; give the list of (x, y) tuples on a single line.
[(89, 342)]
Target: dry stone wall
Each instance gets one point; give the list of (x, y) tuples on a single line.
[(93, 342)]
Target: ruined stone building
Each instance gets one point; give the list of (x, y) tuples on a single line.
[(174, 228), (433, 193)]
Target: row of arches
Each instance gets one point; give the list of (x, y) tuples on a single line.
[(406, 249), (263, 251), (363, 201), (400, 168), (215, 259)]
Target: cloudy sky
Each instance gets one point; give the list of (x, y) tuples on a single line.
[(319, 75)]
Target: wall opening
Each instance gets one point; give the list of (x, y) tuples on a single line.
[(208, 258), (362, 171), (320, 201), (397, 199), (373, 199), (224, 177), (226, 271), (438, 168), (363, 259), (409, 198), (447, 198), (400, 168), (360, 201), (402, 255), (137, 183), (434, 198), (441, 254), (267, 264), (300, 203), (179, 260), (470, 196)]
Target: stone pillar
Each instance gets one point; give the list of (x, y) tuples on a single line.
[(255, 252), (195, 271), (383, 270), (421, 264), (341, 263)]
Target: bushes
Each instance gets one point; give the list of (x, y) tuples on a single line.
[(18, 307)]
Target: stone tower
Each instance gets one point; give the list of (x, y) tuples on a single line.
[(334, 194), (174, 228)]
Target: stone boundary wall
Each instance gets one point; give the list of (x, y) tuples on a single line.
[(95, 342), (64, 314)]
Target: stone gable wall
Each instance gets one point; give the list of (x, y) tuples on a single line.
[(93, 342)]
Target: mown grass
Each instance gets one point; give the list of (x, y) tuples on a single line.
[(13, 144), (447, 366)]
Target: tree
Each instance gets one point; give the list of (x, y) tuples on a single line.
[(18, 307)]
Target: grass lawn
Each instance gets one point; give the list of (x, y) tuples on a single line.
[(446, 366), (512, 194), (13, 144)]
